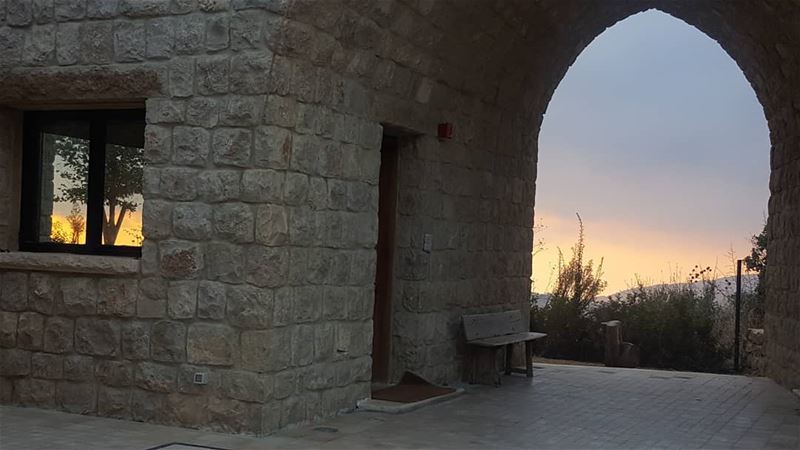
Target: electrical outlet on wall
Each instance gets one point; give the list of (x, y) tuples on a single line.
[(427, 242), (200, 378)]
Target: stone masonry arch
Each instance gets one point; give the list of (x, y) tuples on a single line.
[(285, 101)]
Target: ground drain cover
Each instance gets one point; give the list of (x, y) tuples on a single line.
[(659, 377), (327, 429), (607, 371), (184, 446)]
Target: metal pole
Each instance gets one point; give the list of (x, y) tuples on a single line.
[(737, 323)]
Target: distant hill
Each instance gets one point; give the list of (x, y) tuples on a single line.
[(726, 288)]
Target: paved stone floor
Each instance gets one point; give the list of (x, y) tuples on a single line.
[(562, 407)]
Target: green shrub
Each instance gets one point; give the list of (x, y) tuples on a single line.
[(673, 325)]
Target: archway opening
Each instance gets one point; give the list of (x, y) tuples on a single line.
[(656, 138)]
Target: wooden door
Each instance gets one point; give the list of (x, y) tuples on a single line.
[(384, 275)]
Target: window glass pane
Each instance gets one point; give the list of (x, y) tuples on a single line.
[(122, 218), (64, 172)]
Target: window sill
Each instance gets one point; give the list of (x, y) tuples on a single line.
[(69, 263)]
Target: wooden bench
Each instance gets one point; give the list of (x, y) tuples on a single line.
[(488, 333)]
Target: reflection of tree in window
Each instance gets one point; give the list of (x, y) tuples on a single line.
[(123, 180)]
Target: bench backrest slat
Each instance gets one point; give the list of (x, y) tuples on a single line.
[(481, 326)]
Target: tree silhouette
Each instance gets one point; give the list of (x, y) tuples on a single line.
[(123, 180)]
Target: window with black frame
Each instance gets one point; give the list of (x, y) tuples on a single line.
[(82, 182)]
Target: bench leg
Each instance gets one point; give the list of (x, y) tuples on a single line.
[(509, 354), (529, 359)]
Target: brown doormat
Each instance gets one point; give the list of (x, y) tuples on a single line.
[(412, 388)]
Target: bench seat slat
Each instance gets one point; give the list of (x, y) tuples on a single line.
[(507, 339)]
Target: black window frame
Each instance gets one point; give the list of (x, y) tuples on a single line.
[(32, 181)]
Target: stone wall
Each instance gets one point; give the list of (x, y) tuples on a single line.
[(260, 220), (264, 121)]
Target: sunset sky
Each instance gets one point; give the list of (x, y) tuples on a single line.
[(657, 139)]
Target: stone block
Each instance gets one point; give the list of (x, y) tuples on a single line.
[(262, 186), (266, 351), (79, 296), (58, 334), (286, 384), (185, 410), (232, 146), (317, 193), (218, 185), (30, 331), (273, 147), (296, 188), (40, 46), (117, 297), (225, 262), (189, 32), (164, 110), (129, 42), (114, 402), (8, 329), (152, 302), (143, 8), (247, 386), (212, 74), (202, 112), (180, 259), (302, 226), (35, 392), (67, 43), (211, 344), (302, 345), (211, 300), (245, 29), (156, 215), (249, 72), (19, 13), (168, 341), (298, 267), (241, 111), (233, 416), (192, 221), (190, 146), (48, 366), (14, 291), (178, 183), (42, 292), (280, 111), (267, 266), (66, 10), (78, 368), (155, 377), (15, 362), (249, 307), (146, 406), (234, 222), (160, 38), (101, 9), (217, 32), (181, 79), (114, 373), (77, 398), (283, 313), (96, 42), (135, 340), (97, 337), (182, 299), (271, 225), (12, 41), (308, 303), (324, 342)]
